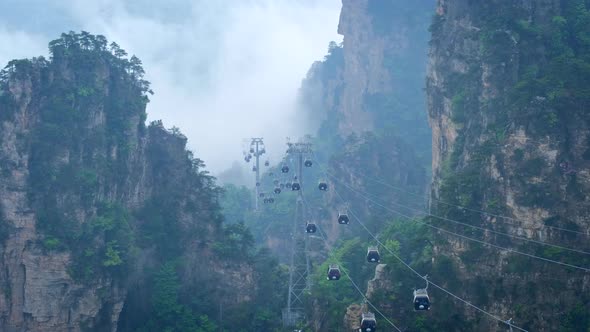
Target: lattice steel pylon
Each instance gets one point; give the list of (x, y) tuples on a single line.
[(256, 149), (299, 270)]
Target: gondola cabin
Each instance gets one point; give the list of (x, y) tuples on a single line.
[(333, 272), (373, 255), (285, 169), (310, 228), (343, 219), (368, 322), (307, 163), (421, 300), (323, 186), (277, 190), (295, 186)]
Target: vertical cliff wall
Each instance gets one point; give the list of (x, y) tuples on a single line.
[(92, 200), (373, 82), (367, 98), (507, 102)]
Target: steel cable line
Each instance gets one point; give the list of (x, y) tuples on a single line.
[(465, 224), (332, 256), (459, 235), (507, 322), (473, 239), (466, 208), (421, 277)]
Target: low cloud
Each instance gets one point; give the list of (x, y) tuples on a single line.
[(221, 70)]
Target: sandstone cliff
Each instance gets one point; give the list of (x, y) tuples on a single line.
[(83, 182), (510, 137)]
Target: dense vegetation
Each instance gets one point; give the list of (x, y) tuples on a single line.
[(87, 153), (538, 74), (132, 205), (397, 152), (527, 81)]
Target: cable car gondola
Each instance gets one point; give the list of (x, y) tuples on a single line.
[(310, 228), (343, 219), (295, 186), (368, 322), (421, 299), (307, 163), (323, 186), (333, 272), (285, 169), (373, 255)]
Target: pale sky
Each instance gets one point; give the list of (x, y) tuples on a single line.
[(221, 70)]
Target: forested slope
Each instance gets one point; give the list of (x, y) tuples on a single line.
[(108, 223)]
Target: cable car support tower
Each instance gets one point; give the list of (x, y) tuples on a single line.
[(257, 149), (300, 265)]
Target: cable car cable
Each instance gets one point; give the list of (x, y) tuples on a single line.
[(422, 277), (419, 275), (429, 281), (321, 232), (473, 239), (468, 225), (361, 292), (469, 209)]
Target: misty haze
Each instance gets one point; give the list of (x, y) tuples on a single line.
[(294, 165)]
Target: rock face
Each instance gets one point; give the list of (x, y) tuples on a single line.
[(367, 95), (384, 158), (73, 144), (374, 79), (363, 66), (379, 282), (352, 319), (366, 98), (504, 145), (38, 292)]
